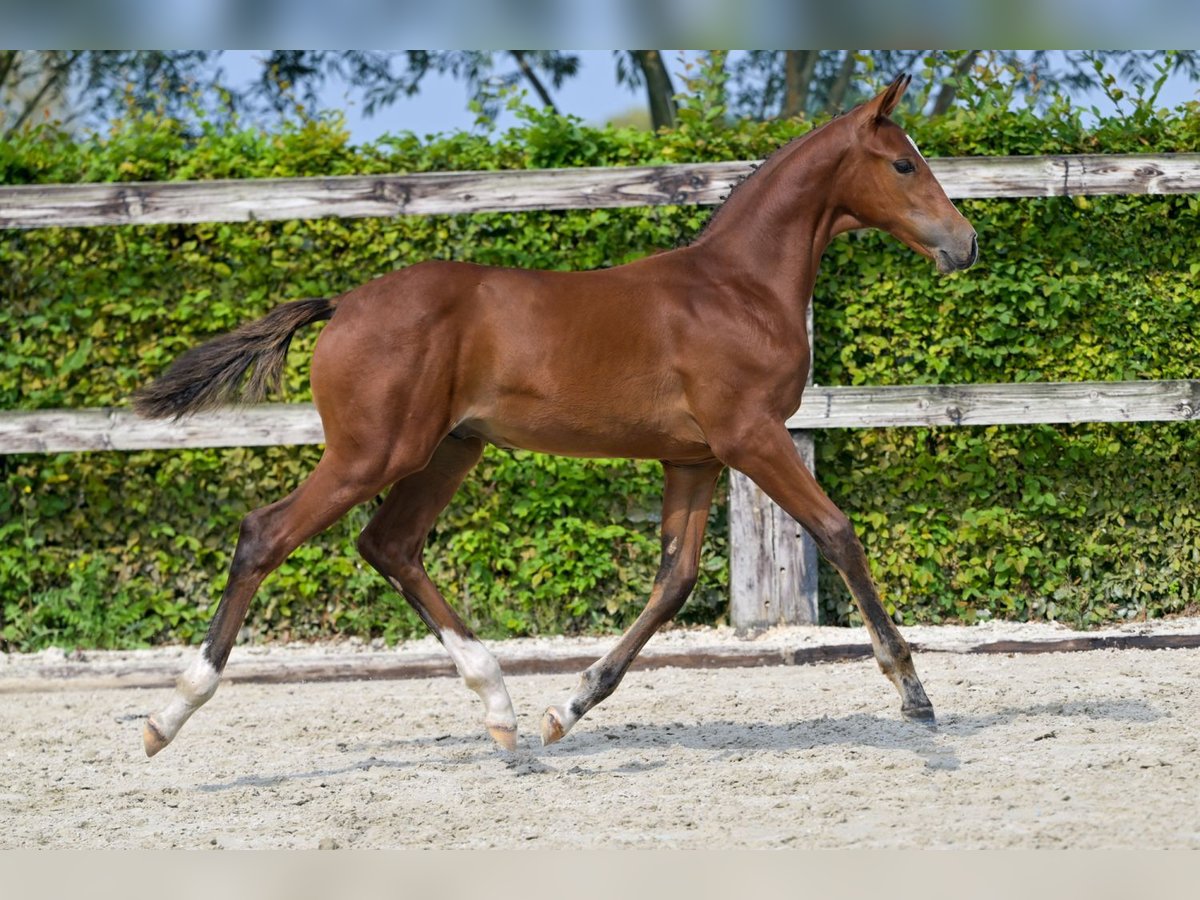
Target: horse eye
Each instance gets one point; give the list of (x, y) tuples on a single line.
[(904, 166)]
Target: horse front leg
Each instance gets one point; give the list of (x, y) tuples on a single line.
[(687, 495), (767, 457)]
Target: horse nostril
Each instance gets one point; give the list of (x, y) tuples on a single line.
[(974, 248)]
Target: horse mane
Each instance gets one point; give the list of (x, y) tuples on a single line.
[(773, 159)]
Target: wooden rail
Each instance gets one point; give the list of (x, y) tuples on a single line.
[(1025, 403), (426, 193), (270, 424)]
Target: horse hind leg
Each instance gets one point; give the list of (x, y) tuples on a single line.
[(687, 495), (393, 543), (267, 537)]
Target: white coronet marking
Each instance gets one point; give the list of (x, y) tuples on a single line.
[(581, 697), (565, 714), (481, 673), (192, 690)]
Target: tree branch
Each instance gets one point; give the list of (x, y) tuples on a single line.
[(798, 69), (7, 60), (659, 90), (531, 77), (945, 97), (56, 72), (837, 93)]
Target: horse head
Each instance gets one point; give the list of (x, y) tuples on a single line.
[(891, 187)]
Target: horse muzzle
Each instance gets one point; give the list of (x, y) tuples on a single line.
[(950, 261)]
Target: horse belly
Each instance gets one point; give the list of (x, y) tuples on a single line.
[(571, 431)]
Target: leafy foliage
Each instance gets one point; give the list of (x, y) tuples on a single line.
[(1080, 523), (826, 81)]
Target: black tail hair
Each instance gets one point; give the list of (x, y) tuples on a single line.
[(212, 374)]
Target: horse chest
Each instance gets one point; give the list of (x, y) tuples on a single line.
[(775, 379)]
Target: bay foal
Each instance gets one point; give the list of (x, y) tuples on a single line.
[(695, 357)]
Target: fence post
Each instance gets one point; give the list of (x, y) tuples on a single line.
[(772, 560)]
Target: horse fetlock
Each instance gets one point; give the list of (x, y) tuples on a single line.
[(891, 667), (595, 684), (199, 682), (900, 671), (895, 658)]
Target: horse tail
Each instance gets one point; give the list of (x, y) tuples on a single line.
[(212, 374)]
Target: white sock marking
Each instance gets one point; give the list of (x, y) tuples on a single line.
[(481, 673), (193, 689)]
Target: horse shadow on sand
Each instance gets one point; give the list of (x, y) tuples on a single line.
[(725, 740)]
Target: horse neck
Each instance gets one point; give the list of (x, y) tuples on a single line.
[(773, 229)]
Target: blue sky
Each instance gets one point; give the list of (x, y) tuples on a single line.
[(593, 95), (441, 105)]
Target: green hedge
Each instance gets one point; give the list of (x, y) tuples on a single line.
[(1080, 523)]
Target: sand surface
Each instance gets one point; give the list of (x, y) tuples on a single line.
[(1086, 750)]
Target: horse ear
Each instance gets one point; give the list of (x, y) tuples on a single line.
[(882, 105)]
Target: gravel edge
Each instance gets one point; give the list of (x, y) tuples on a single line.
[(57, 668)]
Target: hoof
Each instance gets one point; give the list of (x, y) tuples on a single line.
[(153, 739), (504, 735), (922, 714), (552, 727)]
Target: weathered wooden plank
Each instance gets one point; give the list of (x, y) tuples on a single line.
[(1052, 176), (1090, 642), (772, 560), (270, 424), (1026, 403), (354, 196), (67, 430)]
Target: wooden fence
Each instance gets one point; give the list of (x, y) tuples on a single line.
[(773, 564), (427, 193)]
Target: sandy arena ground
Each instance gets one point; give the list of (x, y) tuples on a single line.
[(1096, 749)]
